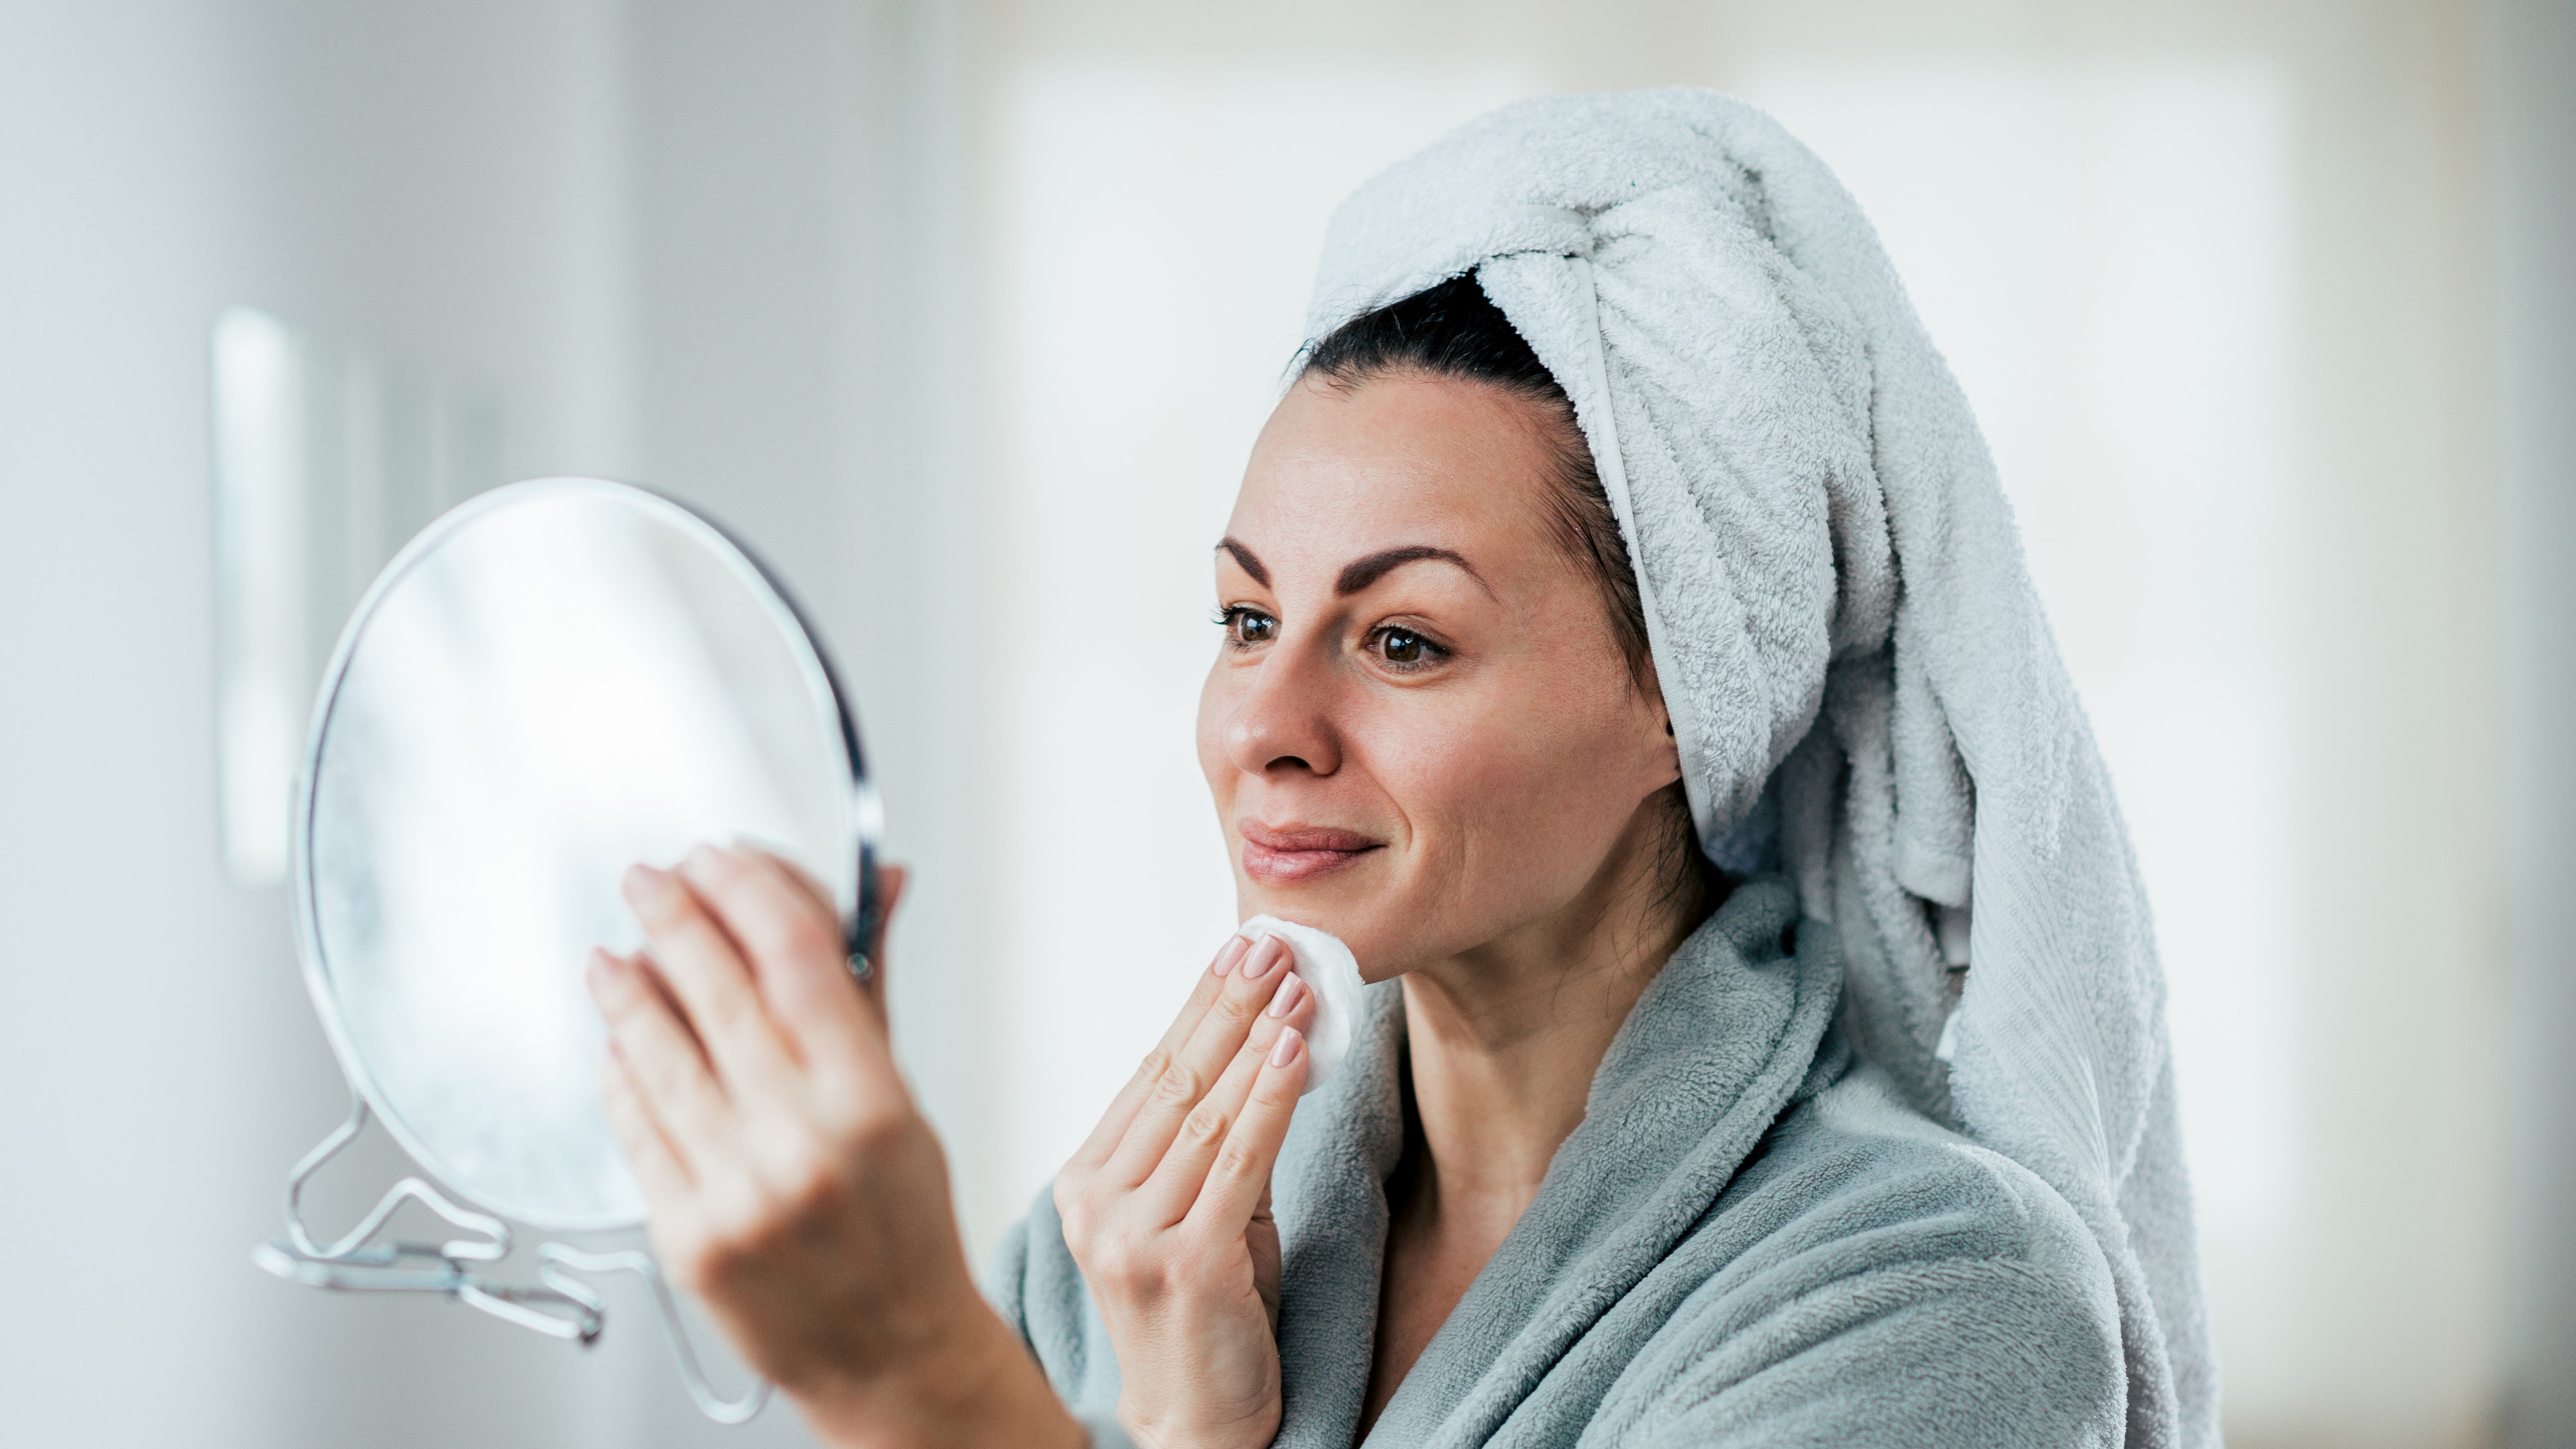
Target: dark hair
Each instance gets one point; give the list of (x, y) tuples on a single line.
[(1455, 330)]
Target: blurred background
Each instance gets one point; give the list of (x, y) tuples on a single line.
[(965, 315)]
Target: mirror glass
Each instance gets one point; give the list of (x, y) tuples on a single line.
[(554, 681)]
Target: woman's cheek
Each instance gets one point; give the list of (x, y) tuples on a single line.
[(1522, 797), (1462, 780), (1484, 764)]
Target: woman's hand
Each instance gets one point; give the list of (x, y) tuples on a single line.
[(793, 1186), (1167, 1207)]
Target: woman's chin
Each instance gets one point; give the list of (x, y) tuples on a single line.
[(1352, 903)]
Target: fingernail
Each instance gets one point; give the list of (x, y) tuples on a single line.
[(702, 857), (643, 882), (1263, 957), (1231, 953), (1291, 1042), (1292, 989)]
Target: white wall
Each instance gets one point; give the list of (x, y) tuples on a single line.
[(667, 237)]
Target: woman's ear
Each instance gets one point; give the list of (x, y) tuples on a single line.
[(1668, 754)]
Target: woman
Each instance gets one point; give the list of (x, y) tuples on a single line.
[(1628, 654)]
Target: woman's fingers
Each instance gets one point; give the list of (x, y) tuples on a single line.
[(697, 959), (1113, 1126), (798, 958), (661, 1060), (1195, 1067), (1176, 1182), (1238, 1182), (658, 1168)]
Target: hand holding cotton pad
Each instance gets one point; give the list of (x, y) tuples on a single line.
[(1333, 974)]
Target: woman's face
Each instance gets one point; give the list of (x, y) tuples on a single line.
[(1420, 731)]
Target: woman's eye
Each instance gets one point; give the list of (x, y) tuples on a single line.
[(1247, 627), (1404, 648)]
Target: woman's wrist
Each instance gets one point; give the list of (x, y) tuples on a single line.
[(976, 1387)]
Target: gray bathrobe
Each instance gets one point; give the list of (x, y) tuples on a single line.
[(1750, 1240)]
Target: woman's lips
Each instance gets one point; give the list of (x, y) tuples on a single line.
[(1285, 855)]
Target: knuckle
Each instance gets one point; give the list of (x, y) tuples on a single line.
[(1237, 1160), (1114, 1262), (1073, 1192), (1178, 1084), (1136, 1262), (1206, 1123)]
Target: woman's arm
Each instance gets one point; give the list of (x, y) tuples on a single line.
[(793, 1186)]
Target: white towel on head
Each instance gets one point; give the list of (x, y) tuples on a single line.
[(1861, 682)]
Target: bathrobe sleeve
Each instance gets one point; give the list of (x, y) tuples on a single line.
[(1039, 1292)]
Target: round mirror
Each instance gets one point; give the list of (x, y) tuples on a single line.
[(553, 682)]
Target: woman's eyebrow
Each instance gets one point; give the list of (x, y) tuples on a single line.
[(1359, 573), (1244, 559)]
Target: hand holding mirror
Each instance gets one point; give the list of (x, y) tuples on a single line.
[(552, 682)]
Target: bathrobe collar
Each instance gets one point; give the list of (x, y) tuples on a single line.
[(1730, 1033)]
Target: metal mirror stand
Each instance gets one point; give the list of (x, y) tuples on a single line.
[(557, 1305)]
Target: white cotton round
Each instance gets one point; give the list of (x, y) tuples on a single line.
[(1329, 970)]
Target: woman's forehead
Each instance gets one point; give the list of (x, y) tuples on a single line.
[(1395, 461)]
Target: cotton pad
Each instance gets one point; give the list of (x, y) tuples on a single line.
[(1333, 975)]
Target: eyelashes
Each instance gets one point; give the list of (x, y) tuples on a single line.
[(1246, 626), (1393, 647), (1403, 649)]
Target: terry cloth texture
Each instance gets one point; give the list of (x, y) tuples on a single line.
[(1748, 1241), (1864, 690)]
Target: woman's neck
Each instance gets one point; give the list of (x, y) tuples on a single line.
[(1502, 1042)]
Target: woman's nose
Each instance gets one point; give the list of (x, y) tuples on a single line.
[(1284, 721)]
